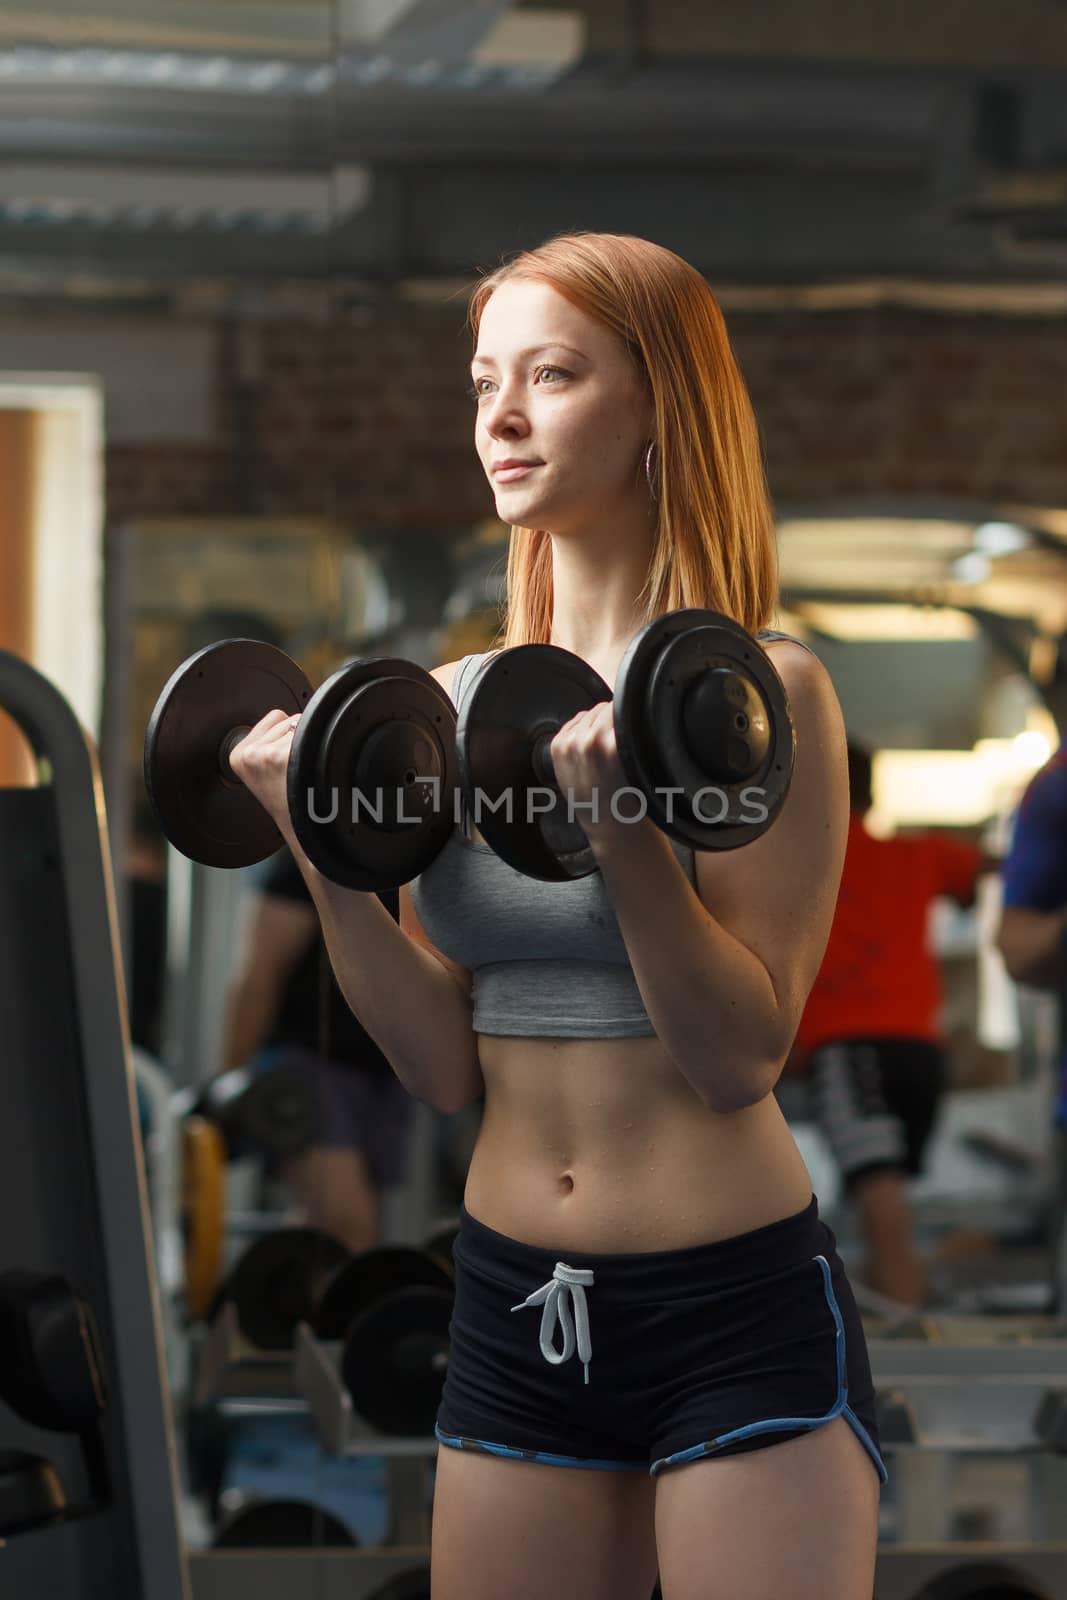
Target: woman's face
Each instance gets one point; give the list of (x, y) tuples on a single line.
[(557, 390)]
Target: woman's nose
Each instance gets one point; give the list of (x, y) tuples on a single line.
[(504, 411)]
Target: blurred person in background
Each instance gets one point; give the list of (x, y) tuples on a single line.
[(1032, 938), (285, 1008), (869, 1038)]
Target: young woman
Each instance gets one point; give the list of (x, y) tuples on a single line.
[(656, 1360)]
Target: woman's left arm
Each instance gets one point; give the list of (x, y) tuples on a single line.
[(724, 971)]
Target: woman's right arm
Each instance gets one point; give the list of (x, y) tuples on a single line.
[(414, 1003)]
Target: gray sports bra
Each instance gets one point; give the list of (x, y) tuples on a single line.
[(546, 959)]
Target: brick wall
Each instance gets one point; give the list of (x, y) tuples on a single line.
[(367, 420), (895, 402)]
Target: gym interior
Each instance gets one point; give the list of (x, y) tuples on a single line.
[(236, 245)]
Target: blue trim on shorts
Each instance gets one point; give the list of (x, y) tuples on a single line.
[(840, 1407), (543, 1456)]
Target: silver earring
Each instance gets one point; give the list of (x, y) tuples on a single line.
[(648, 471)]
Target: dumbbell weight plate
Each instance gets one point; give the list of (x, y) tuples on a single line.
[(516, 697), (411, 1585), (278, 1111), (367, 1278), (277, 1282), (394, 1360), (700, 707), (282, 1524), (203, 810), (219, 1102), (372, 774), (440, 1245), (982, 1580)]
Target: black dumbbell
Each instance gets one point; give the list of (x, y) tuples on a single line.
[(282, 1524), (702, 726), (273, 1111), (395, 1359), (204, 710), (982, 1580), (277, 1283), (392, 1307), (411, 1585), (371, 773), (367, 1279)]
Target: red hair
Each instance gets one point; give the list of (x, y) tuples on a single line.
[(715, 540)]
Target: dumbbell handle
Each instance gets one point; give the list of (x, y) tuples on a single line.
[(226, 749), (541, 760)]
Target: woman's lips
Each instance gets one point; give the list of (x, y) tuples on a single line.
[(510, 474)]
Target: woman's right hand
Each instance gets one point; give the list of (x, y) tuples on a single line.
[(261, 762)]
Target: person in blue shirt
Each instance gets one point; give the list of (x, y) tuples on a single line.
[(1032, 938)]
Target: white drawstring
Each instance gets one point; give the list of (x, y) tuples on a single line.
[(565, 1282)]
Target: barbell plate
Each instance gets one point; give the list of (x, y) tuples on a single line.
[(372, 774), (703, 729), (394, 1360), (368, 1278), (209, 816), (517, 697)]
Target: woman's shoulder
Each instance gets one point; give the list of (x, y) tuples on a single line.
[(813, 702), (796, 663), (776, 636)]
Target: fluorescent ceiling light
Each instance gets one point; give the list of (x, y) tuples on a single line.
[(175, 70), (972, 567), (1001, 538), (886, 622), (930, 534), (180, 196)]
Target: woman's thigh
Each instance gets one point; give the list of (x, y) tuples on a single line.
[(525, 1530), (798, 1518)]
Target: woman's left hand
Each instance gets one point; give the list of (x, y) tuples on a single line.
[(585, 759)]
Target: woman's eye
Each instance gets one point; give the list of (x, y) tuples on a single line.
[(476, 392)]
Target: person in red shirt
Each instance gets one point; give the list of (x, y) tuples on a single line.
[(869, 1037)]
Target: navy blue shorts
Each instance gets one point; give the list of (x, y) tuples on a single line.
[(369, 1111), (637, 1362)]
